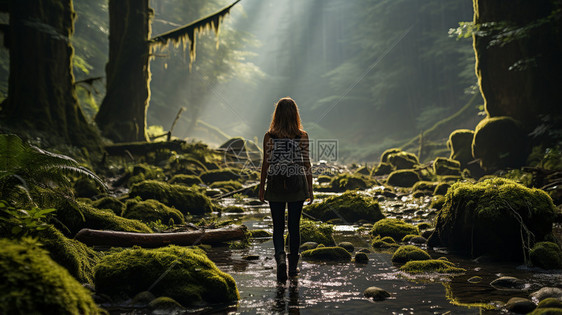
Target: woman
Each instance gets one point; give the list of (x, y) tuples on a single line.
[(286, 165)]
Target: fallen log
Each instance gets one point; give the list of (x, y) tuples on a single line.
[(128, 239)]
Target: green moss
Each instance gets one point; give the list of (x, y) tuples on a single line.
[(227, 186), (500, 142), (424, 186), (85, 187), (233, 209), (139, 173), (327, 254), (348, 246), (76, 216), (183, 198), (320, 233), (408, 237), (186, 164), (431, 265), (110, 203), (550, 303), (403, 178), (220, 175), (441, 189), (407, 253), (384, 243), (460, 144), (489, 217), (32, 283), (387, 153), (165, 303), (383, 169), (443, 166), (363, 170), (259, 233), (188, 180), (189, 276), (394, 228), (437, 202), (350, 207), (403, 160), (343, 182), (424, 226), (324, 179), (546, 255), (151, 211)]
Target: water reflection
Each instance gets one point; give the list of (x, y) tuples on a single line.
[(287, 303)]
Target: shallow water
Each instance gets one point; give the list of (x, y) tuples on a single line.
[(337, 288)]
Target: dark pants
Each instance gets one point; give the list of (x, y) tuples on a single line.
[(278, 216)]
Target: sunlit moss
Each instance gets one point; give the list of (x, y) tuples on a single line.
[(327, 254), (441, 189), (394, 228), (227, 186), (387, 153), (320, 233), (437, 202), (546, 255), (403, 160), (383, 169), (110, 203), (188, 180), (443, 166), (407, 253), (430, 266), (350, 207), (151, 211), (343, 182), (460, 144)]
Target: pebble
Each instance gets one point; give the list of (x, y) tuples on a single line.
[(376, 293)]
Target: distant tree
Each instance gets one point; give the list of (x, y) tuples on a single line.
[(122, 114)]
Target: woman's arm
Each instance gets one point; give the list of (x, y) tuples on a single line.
[(307, 166), (264, 165)]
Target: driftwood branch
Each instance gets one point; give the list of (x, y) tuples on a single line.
[(128, 239)]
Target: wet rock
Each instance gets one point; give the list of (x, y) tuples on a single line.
[(430, 266), (427, 233), (227, 185), (165, 304), (424, 226), (347, 246), (441, 189), (403, 160), (546, 255), (343, 182), (547, 292), (320, 233), (418, 240), (407, 253), (327, 254), (386, 242), (460, 144), (251, 257), (212, 192), (361, 258), (143, 298), (376, 293), (509, 283), (389, 194), (219, 175), (259, 233), (394, 228), (308, 245), (349, 206), (364, 250), (443, 166), (382, 169), (520, 305), (437, 202), (475, 279), (403, 178), (233, 209), (363, 170)]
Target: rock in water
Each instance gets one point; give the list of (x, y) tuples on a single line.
[(547, 292), (520, 305), (508, 283), (376, 293)]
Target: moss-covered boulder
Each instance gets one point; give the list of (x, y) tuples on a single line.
[(73, 216), (185, 199), (441, 189), (403, 178), (387, 153), (32, 283), (431, 266), (187, 164), (349, 206), (327, 254), (138, 173), (550, 303), (151, 211), (500, 142), (321, 233), (424, 186), (394, 228), (110, 203), (227, 186), (383, 169), (184, 179), (220, 175), (403, 160), (487, 218), (361, 258), (348, 246), (437, 202), (85, 187), (343, 182), (189, 276), (546, 255), (406, 253), (460, 144), (443, 166), (386, 242)]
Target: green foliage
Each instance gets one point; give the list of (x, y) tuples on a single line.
[(320, 233), (327, 254), (22, 222), (437, 202), (407, 253), (150, 211), (430, 266), (394, 228), (184, 274), (349, 206), (32, 283)]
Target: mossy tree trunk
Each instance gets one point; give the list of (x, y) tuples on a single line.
[(41, 93), (122, 114)]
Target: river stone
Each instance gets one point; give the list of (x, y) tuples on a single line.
[(308, 245), (347, 246), (508, 283), (427, 233), (376, 293), (143, 298), (251, 257), (520, 305), (361, 258), (547, 292), (418, 240), (475, 279), (364, 250)]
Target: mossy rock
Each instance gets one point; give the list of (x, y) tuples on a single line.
[(219, 175), (424, 186), (403, 178), (227, 186), (361, 258), (424, 226), (233, 209), (403, 160), (408, 237), (484, 218), (546, 311), (32, 283), (139, 173), (164, 303), (349, 206), (383, 169), (324, 178), (387, 153), (110, 203), (499, 143), (151, 211), (343, 182), (437, 202), (185, 199), (73, 255), (348, 246), (363, 170), (431, 266), (546, 255), (335, 253), (386, 242), (443, 167), (320, 233), (407, 253), (186, 164), (187, 180), (190, 277), (441, 189), (259, 233), (460, 144), (75, 216), (85, 187), (394, 228), (550, 303)]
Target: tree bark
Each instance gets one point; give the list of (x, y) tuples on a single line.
[(127, 239), (41, 94), (122, 114)]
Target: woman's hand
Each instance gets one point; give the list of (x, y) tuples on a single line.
[(310, 197), (262, 193)]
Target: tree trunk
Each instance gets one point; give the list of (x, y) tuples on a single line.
[(127, 239), (41, 93), (122, 114)]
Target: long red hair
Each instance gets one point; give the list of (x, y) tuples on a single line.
[(286, 121)]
